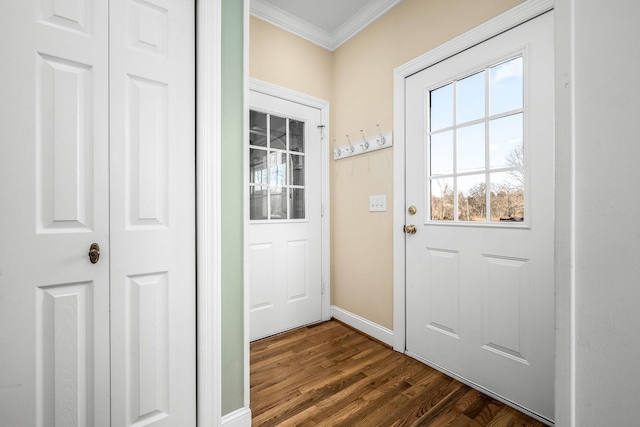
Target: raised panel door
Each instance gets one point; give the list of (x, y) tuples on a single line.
[(54, 181), (479, 269), (152, 100)]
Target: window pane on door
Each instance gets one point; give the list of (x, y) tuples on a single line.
[(441, 111), (257, 166), (442, 199), (296, 136), (472, 198), (507, 196), (258, 129), (471, 148), (297, 169), (278, 169), (506, 85), (297, 203), (442, 153), (258, 202), (279, 202), (278, 133), (506, 147), (470, 98)]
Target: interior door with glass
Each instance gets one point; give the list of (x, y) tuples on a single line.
[(284, 230), (479, 248)]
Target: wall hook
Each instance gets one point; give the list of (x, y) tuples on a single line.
[(382, 140), (350, 149), (365, 144)]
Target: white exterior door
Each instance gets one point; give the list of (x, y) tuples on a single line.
[(97, 148), (479, 171), (284, 230)]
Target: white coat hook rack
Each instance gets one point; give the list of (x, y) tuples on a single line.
[(383, 140)]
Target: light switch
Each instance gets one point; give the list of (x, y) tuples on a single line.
[(378, 203)]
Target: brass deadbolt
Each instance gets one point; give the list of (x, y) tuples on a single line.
[(412, 210)]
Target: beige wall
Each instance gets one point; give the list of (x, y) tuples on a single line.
[(361, 96), (277, 56)]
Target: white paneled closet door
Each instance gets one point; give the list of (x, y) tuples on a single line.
[(97, 146), (152, 212)]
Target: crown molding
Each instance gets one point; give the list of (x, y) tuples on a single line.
[(331, 41), (358, 22), (293, 24)]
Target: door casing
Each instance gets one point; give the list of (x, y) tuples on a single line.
[(208, 211)]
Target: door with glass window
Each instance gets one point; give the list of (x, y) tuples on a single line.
[(480, 209), (284, 230)]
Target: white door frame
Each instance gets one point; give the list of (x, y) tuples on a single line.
[(208, 212), (565, 334), (322, 105)]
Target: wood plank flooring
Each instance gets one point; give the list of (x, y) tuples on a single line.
[(331, 375)]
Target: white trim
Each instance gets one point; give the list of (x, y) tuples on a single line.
[(288, 94), (331, 41), (363, 325), (358, 22), (565, 286), (239, 418), (501, 23), (288, 22), (246, 302), (324, 107), (208, 279)]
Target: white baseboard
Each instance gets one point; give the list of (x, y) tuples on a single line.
[(239, 418), (363, 325)]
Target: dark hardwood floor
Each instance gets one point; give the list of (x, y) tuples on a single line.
[(331, 375)]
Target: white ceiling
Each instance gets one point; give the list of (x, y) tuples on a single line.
[(328, 23)]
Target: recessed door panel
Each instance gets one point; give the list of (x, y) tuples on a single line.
[(148, 24), (65, 353), (297, 269), (261, 259), (74, 15), (442, 291), (147, 152), (65, 145), (505, 309), (148, 345)]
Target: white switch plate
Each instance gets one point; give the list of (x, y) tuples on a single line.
[(378, 203)]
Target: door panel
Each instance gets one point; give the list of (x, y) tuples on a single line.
[(152, 212), (54, 303), (480, 267), (284, 253)]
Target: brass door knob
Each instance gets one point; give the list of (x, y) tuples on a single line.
[(412, 210), (94, 253), (410, 229)]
